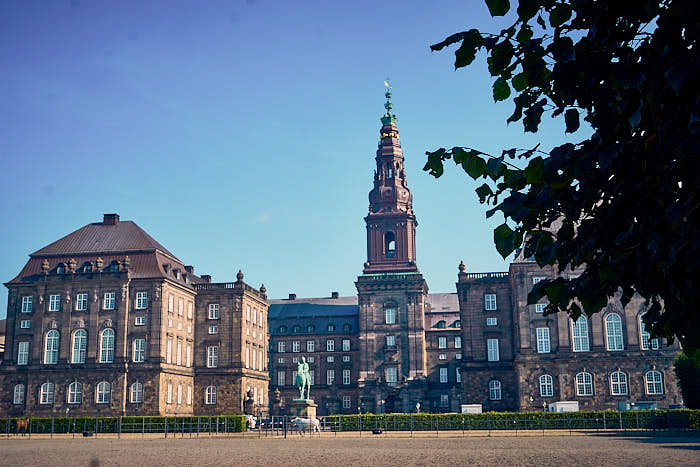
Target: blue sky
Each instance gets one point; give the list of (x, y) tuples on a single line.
[(242, 134)]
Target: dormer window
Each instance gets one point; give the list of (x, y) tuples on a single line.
[(390, 244), (87, 267), (440, 325), (296, 329), (178, 275), (61, 268), (113, 266)]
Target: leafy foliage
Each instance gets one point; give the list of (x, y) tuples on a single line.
[(624, 202), (688, 375)]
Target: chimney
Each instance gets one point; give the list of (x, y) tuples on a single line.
[(334, 295), (206, 278), (189, 269), (111, 219), (292, 296)]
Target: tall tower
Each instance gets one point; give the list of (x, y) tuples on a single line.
[(391, 290)]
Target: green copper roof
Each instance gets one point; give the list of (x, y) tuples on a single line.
[(388, 117)]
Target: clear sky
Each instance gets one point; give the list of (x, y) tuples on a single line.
[(242, 134)]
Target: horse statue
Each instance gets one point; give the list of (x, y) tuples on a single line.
[(303, 380), (311, 425)]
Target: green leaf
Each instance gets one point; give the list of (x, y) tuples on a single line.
[(528, 8), (474, 166), (434, 165), (525, 34), (484, 191), (560, 14), (519, 81), (466, 53), (572, 121), (501, 90), (498, 7), (504, 238), (501, 55), (541, 22), (493, 168), (534, 172)]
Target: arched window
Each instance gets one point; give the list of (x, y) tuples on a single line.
[(75, 393), (79, 346), (584, 384), (103, 393), (211, 395), (579, 334), (61, 268), (330, 327), (283, 329), (495, 390), (646, 342), (107, 346), (310, 328), (87, 266), (654, 382), (136, 393), (18, 396), (458, 324), (46, 393), (441, 324), (51, 349), (113, 266), (347, 327), (546, 386), (389, 244), (618, 383), (613, 331), (296, 329)]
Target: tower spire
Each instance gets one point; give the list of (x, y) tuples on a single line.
[(388, 118)]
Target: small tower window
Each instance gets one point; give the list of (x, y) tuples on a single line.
[(389, 244)]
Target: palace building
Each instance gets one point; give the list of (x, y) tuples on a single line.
[(107, 321)]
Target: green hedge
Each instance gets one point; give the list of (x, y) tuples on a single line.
[(130, 424), (681, 419)]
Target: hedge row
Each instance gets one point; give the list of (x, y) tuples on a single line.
[(130, 424), (582, 420)]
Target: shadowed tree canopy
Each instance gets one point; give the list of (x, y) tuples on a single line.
[(624, 202)]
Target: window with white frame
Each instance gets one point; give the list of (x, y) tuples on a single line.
[(213, 329), (346, 376), (491, 321), (23, 353), (543, 340), (613, 332), (140, 321), (280, 378), (492, 350), (458, 376), (27, 303), (190, 308), (312, 377), (103, 393), (330, 327), (79, 346), (646, 341), (54, 302), (654, 382), (46, 393), (179, 394), (535, 280), (280, 360), (584, 384), (546, 386), (18, 394), (189, 395), (330, 359), (180, 307), (346, 358), (539, 307), (210, 395), (212, 356), (81, 302), (25, 324), (247, 357), (109, 301), (579, 333), (296, 346), (495, 390), (346, 345), (390, 315), (213, 311), (346, 402), (178, 355), (442, 342), (458, 342), (169, 394), (330, 377), (136, 393), (392, 375), (139, 354), (247, 313), (310, 346), (490, 302), (618, 383), (107, 346), (171, 303), (280, 346), (188, 356), (391, 342), (169, 351), (330, 345), (75, 393), (51, 348), (443, 356), (443, 375), (141, 301)]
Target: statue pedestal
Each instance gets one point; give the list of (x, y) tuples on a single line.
[(303, 408)]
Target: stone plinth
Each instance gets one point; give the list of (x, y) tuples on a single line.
[(303, 408)]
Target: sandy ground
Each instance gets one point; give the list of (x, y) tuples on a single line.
[(602, 449)]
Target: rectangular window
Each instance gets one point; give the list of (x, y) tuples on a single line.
[(458, 342), (312, 375), (346, 402), (390, 316), (139, 350), (180, 306), (169, 351), (171, 303), (280, 360), (542, 340), (296, 346), (280, 346), (212, 356), (492, 346), (330, 359), (189, 395), (310, 346), (443, 374), (27, 303), (443, 356), (392, 375), (444, 400), (25, 324), (310, 359), (579, 333), (178, 356), (442, 342), (23, 353), (247, 313), (169, 397), (280, 378), (490, 302), (179, 394), (535, 280), (213, 311), (255, 359), (346, 376), (330, 377), (346, 358), (346, 345), (109, 301), (54, 303), (190, 308), (213, 329), (539, 307), (390, 342), (81, 301), (330, 345), (188, 356), (491, 321), (247, 357), (140, 321), (255, 314), (141, 300), (18, 397), (458, 376)]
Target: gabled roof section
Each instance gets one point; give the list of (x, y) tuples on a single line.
[(101, 237)]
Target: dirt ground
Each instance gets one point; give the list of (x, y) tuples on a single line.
[(603, 449)]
